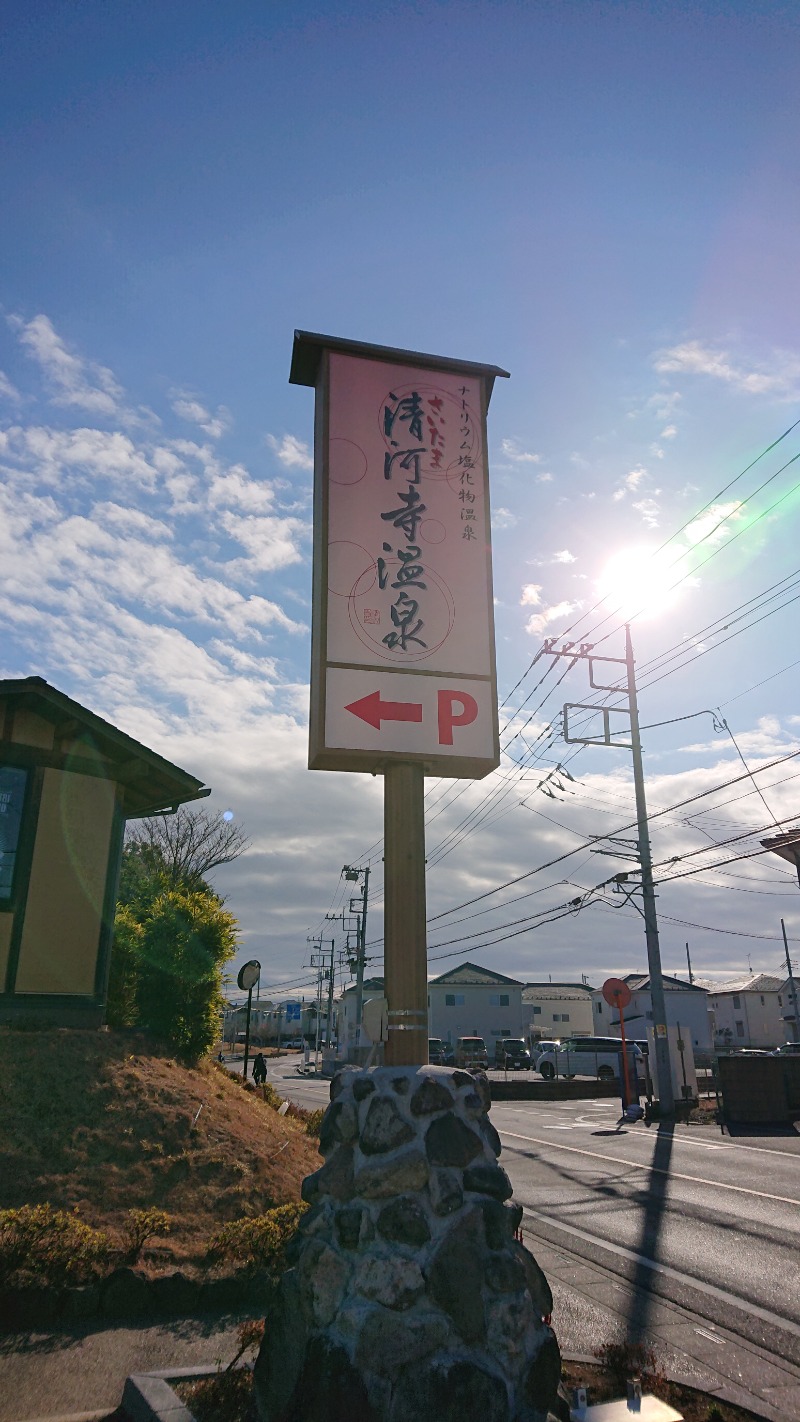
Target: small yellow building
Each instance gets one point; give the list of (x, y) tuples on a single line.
[(68, 782)]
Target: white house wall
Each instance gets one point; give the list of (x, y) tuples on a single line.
[(753, 1023), (553, 1013), (473, 1013), (689, 1009)]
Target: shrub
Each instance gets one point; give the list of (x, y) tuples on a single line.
[(314, 1121), (227, 1396), (259, 1243), (628, 1360), (140, 1226), (271, 1096), (51, 1246), (123, 980)]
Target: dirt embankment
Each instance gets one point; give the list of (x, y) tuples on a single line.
[(106, 1122)]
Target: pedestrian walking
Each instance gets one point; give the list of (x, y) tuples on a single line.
[(259, 1069)]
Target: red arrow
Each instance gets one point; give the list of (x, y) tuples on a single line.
[(372, 710)]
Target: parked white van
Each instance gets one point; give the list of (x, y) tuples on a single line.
[(589, 1056)]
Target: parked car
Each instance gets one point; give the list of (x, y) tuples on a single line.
[(294, 1044), (512, 1052), (471, 1052), (436, 1051), (789, 1049), (539, 1048), (589, 1056)]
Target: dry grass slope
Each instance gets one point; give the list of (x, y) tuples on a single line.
[(107, 1122)]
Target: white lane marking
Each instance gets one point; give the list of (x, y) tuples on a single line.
[(655, 1169), (724, 1295), (678, 1140)]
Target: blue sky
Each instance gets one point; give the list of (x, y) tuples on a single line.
[(601, 198)]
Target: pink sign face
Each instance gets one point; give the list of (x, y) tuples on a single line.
[(408, 569)]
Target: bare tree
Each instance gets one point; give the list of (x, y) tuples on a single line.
[(183, 848)]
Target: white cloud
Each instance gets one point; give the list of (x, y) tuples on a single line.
[(9, 391), (712, 525), (72, 379), (270, 542), (669, 432), (780, 375), (545, 478), (503, 518), (649, 510), (292, 452), (235, 489), (542, 620), (188, 407), (512, 450), (562, 556), (88, 454), (630, 483), (531, 595)]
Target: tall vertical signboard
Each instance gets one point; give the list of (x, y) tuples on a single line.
[(403, 668)]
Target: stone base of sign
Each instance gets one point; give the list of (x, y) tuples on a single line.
[(409, 1298)]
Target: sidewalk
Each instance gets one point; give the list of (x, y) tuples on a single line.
[(82, 1369), (79, 1370), (592, 1306)]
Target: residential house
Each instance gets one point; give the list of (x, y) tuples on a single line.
[(686, 1006), (752, 1011), (471, 1001), (553, 1010), (345, 1017)]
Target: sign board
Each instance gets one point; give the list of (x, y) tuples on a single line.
[(248, 975), (293, 1012), (403, 664), (616, 993)]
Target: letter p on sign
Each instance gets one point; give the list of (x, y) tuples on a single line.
[(450, 717)]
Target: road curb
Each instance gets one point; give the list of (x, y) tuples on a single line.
[(148, 1397)]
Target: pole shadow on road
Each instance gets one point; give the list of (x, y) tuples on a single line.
[(655, 1204)]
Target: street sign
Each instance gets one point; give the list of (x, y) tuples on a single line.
[(293, 1012), (616, 992), (248, 975), (413, 715), (403, 663)]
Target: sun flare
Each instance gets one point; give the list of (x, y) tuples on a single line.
[(641, 582)]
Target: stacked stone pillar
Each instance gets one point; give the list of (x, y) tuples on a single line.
[(410, 1298)]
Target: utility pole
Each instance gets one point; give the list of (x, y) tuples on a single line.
[(361, 945), (689, 963), (328, 1033), (792, 987), (665, 1092), (318, 962), (583, 652)]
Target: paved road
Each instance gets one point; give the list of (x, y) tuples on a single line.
[(716, 1214), (720, 1212), (686, 1214)]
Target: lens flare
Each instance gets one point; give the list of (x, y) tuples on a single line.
[(642, 582)]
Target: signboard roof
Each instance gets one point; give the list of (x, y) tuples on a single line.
[(308, 347)]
